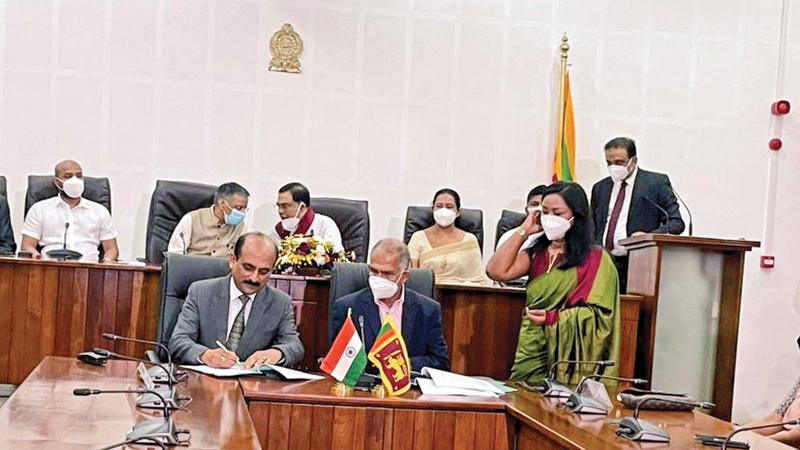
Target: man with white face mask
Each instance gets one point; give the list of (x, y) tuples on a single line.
[(629, 202), (298, 218), (89, 222), (418, 317)]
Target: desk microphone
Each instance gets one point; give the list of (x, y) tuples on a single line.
[(727, 441), (172, 373), (161, 430), (633, 429), (62, 253), (552, 388), (170, 392), (361, 325), (578, 403), (689, 211), (664, 211)]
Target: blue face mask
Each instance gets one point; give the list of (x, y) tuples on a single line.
[(234, 218)]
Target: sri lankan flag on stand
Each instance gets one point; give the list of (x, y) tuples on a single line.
[(564, 161), (346, 360), (390, 356)]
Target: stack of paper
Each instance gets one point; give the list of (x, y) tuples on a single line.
[(239, 370), (440, 382)]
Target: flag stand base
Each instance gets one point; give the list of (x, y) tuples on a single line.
[(379, 391), (340, 389)]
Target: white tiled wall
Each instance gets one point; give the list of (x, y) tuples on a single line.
[(401, 97)]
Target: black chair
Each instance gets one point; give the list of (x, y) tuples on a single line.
[(3, 187), (352, 218), (169, 202), (178, 272), (421, 217), (347, 278), (41, 187), (508, 221)]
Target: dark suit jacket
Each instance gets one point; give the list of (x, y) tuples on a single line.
[(204, 320), (421, 327), (643, 215), (7, 243)]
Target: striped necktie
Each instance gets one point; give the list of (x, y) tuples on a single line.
[(238, 326)]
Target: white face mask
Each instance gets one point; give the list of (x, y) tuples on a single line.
[(534, 209), (444, 217), (72, 187), (382, 288), (290, 224), (555, 227), (619, 173)]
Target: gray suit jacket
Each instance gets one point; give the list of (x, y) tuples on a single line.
[(204, 320)]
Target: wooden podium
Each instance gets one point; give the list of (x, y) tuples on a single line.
[(689, 318)]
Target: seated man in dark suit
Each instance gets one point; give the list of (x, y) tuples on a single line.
[(627, 203), (7, 243), (254, 321), (419, 317)]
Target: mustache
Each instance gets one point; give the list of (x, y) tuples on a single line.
[(251, 283)]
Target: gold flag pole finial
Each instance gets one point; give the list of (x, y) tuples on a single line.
[(564, 47)]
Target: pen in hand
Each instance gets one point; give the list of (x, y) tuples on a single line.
[(222, 346)]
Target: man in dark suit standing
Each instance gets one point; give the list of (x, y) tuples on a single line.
[(254, 321), (630, 202), (419, 317)]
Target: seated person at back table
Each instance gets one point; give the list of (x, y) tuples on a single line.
[(7, 243), (452, 254), (214, 230), (789, 409), (534, 203), (254, 321), (89, 223), (297, 217), (418, 317)]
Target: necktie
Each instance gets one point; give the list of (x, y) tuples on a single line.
[(612, 223), (238, 326)]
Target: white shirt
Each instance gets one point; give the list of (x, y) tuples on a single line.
[(525, 245), (89, 224), (178, 244), (323, 227), (235, 305), (621, 232)]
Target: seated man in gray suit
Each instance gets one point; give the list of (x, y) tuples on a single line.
[(253, 320)]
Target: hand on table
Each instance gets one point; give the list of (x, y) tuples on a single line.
[(269, 356), (219, 358)]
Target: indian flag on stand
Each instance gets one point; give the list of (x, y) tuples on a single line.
[(564, 161), (347, 359)]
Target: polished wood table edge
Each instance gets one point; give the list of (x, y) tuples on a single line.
[(46, 262), (659, 239), (478, 287)]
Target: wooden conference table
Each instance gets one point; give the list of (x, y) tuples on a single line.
[(252, 413), (58, 308)]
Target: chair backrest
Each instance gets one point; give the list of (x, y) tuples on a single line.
[(178, 272), (41, 187), (508, 221), (421, 217), (169, 202), (347, 278), (3, 187), (352, 218)]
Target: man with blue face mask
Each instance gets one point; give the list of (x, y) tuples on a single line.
[(214, 230), (418, 317)]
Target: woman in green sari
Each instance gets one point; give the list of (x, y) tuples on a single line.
[(572, 307)]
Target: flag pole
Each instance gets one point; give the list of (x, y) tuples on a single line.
[(562, 99)]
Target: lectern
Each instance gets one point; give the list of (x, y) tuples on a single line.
[(689, 318)]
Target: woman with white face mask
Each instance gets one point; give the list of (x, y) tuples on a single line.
[(572, 306), (453, 254)]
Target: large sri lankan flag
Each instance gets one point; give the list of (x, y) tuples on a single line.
[(346, 360), (564, 159), (389, 354)]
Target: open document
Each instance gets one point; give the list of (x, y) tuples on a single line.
[(440, 382)]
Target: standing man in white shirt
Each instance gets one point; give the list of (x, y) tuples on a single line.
[(297, 217), (213, 231), (89, 222), (631, 201)]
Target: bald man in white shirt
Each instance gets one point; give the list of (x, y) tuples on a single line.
[(89, 222)]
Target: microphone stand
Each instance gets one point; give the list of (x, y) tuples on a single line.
[(160, 430), (144, 401), (63, 254), (795, 422), (172, 375), (633, 429), (580, 404), (552, 388), (688, 211), (666, 214)]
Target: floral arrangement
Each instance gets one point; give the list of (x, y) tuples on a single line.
[(299, 252)]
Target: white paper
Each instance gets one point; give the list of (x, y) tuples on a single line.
[(443, 379), (291, 374), (224, 373), (428, 387)]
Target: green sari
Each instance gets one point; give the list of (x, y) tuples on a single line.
[(582, 306)]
